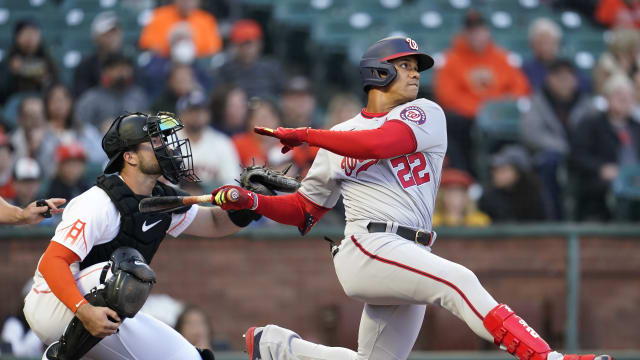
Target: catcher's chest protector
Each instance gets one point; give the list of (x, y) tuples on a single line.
[(135, 227)]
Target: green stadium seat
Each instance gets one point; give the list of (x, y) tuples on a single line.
[(626, 190), (29, 5), (497, 123)]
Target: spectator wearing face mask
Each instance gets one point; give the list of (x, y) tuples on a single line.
[(116, 94), (156, 74), (204, 34), (247, 68)]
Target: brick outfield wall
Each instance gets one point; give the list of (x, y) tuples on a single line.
[(243, 282)]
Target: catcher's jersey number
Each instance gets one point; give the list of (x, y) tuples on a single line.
[(410, 169)]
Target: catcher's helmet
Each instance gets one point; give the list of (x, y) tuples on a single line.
[(173, 154), (375, 60)]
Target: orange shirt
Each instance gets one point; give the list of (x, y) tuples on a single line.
[(155, 36), (467, 78), (615, 12), (249, 148)]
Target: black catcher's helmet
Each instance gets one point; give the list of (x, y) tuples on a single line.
[(173, 155), (376, 60)]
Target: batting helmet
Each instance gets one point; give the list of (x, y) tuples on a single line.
[(173, 154), (376, 60)]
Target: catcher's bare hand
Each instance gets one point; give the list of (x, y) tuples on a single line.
[(289, 137), (96, 319), (33, 214), (231, 197)]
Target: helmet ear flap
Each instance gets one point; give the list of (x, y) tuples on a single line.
[(371, 69)]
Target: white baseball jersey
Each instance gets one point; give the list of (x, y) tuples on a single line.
[(92, 219), (401, 189), (394, 277), (88, 220)]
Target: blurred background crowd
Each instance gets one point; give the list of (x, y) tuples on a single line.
[(542, 97)]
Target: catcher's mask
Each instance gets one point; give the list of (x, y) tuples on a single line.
[(173, 154)]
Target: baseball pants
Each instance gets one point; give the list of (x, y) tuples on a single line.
[(141, 337), (396, 279)]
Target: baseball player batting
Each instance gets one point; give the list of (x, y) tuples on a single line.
[(386, 162), (95, 275)]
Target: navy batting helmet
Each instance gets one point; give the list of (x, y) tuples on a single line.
[(376, 60)]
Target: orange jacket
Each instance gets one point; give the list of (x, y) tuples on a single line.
[(455, 88), (616, 12), (155, 36)]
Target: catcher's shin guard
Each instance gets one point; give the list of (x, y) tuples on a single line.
[(125, 292), (509, 330), (76, 340)]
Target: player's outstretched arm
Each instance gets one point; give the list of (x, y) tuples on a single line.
[(291, 209), (32, 214), (392, 139)]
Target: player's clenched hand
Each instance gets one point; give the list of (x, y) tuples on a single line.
[(289, 137), (231, 197), (96, 319)]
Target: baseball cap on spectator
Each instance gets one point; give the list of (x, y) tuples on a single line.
[(512, 155), (72, 151), (473, 19), (245, 30), (455, 177), (193, 100), (26, 169), (298, 84), (104, 22)]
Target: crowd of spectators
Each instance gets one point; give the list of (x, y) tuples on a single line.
[(577, 132)]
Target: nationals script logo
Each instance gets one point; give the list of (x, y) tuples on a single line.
[(414, 114), (350, 164)]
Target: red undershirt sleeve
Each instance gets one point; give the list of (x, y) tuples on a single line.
[(291, 209), (54, 267), (393, 138)]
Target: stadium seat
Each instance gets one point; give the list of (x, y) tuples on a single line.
[(626, 190), (497, 123)]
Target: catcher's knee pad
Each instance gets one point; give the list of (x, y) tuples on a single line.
[(509, 330), (125, 292), (129, 287)]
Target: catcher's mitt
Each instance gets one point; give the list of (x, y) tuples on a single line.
[(265, 181)]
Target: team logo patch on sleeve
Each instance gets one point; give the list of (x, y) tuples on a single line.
[(415, 114)]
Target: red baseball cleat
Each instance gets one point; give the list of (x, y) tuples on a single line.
[(252, 342)]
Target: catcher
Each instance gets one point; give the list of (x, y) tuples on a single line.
[(96, 271)]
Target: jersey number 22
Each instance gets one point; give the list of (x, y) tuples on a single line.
[(410, 169)]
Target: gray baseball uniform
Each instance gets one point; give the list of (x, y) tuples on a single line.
[(393, 276)]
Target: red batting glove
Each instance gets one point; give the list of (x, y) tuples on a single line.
[(231, 197), (289, 137)]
